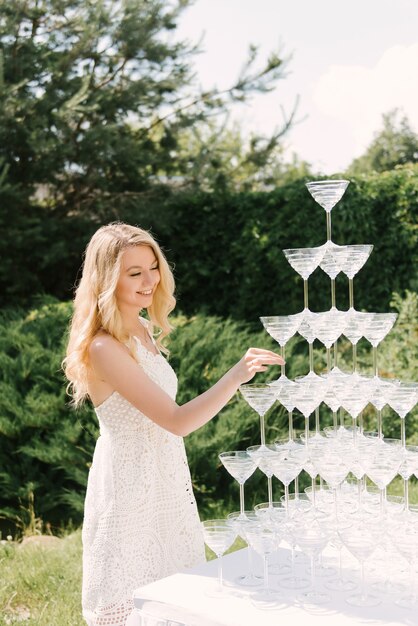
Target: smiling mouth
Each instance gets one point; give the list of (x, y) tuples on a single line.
[(145, 293)]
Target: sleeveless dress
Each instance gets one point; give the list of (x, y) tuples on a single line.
[(140, 518)]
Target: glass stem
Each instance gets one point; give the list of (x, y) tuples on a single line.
[(266, 585), (333, 293), (317, 420), (363, 587), (341, 418), (354, 357), (334, 420), (403, 431), (311, 365), (286, 496), (313, 492), (305, 293), (335, 503), (375, 372), (290, 425), (382, 502), (360, 422), (270, 490), (336, 353), (329, 359), (354, 422), (297, 487), (241, 498), (262, 430), (313, 572), (282, 367), (406, 494), (351, 293), (307, 429), (379, 423), (328, 225), (220, 573)]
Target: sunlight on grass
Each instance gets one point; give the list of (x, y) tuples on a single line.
[(41, 586)]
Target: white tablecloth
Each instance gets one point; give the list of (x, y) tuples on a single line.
[(184, 600)]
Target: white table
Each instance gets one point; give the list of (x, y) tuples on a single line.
[(183, 600)]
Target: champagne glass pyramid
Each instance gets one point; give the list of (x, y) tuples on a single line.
[(260, 397), (304, 261), (356, 257), (327, 193), (240, 465), (375, 330)]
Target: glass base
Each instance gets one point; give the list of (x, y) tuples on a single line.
[(267, 599), (315, 597), (363, 599), (387, 587), (249, 580), (218, 592), (340, 584), (294, 582), (279, 569), (407, 602), (322, 571)]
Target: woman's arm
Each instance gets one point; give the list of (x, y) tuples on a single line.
[(112, 364)]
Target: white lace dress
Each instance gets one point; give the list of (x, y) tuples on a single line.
[(141, 521)]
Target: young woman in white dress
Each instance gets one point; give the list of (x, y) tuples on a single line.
[(140, 519)]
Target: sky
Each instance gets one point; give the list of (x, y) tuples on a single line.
[(349, 63)]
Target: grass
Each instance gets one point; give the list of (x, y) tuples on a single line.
[(41, 586)]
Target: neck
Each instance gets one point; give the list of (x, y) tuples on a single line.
[(130, 320)]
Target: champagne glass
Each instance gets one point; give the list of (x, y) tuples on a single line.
[(306, 330), (283, 389), (304, 261), (250, 579), (354, 329), (219, 535), (375, 330), (262, 537), (408, 468), (402, 398), (379, 396), (288, 464), (354, 260), (276, 515), (353, 394), (383, 465), (327, 193), (404, 537), (312, 537), (281, 328), (261, 398), (361, 535), (328, 327), (307, 396), (240, 465), (264, 457), (332, 263)]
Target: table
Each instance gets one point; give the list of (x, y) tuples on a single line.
[(183, 600)]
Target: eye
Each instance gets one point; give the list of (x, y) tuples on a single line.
[(137, 274), (155, 268)]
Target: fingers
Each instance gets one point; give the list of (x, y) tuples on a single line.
[(267, 357)]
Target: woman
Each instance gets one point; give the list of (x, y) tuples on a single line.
[(141, 521)]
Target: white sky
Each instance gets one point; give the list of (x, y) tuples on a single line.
[(350, 62)]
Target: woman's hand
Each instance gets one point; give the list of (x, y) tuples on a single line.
[(255, 360)]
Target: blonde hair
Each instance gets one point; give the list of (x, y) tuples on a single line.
[(95, 304)]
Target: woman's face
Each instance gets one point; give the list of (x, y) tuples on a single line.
[(138, 278)]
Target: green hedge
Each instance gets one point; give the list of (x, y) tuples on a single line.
[(46, 447), (227, 248)]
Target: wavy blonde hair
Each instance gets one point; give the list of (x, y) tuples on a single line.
[(95, 304)]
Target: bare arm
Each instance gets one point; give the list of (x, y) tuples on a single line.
[(114, 365)]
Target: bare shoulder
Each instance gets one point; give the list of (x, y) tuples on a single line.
[(103, 346)]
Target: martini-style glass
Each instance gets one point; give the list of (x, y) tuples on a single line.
[(219, 535), (307, 331), (334, 378), (260, 397), (312, 537), (354, 329), (407, 469), (262, 536), (332, 263), (264, 457), (307, 396), (283, 388), (376, 329), (304, 261), (327, 193), (356, 257), (281, 328), (250, 579), (379, 395), (240, 465), (353, 393), (402, 398), (361, 535), (328, 327), (404, 536), (288, 464), (332, 465), (383, 464)]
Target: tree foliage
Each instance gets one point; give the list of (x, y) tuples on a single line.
[(395, 144)]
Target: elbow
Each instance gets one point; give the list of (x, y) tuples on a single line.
[(180, 430)]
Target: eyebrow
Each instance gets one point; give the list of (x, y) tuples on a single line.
[(139, 267)]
